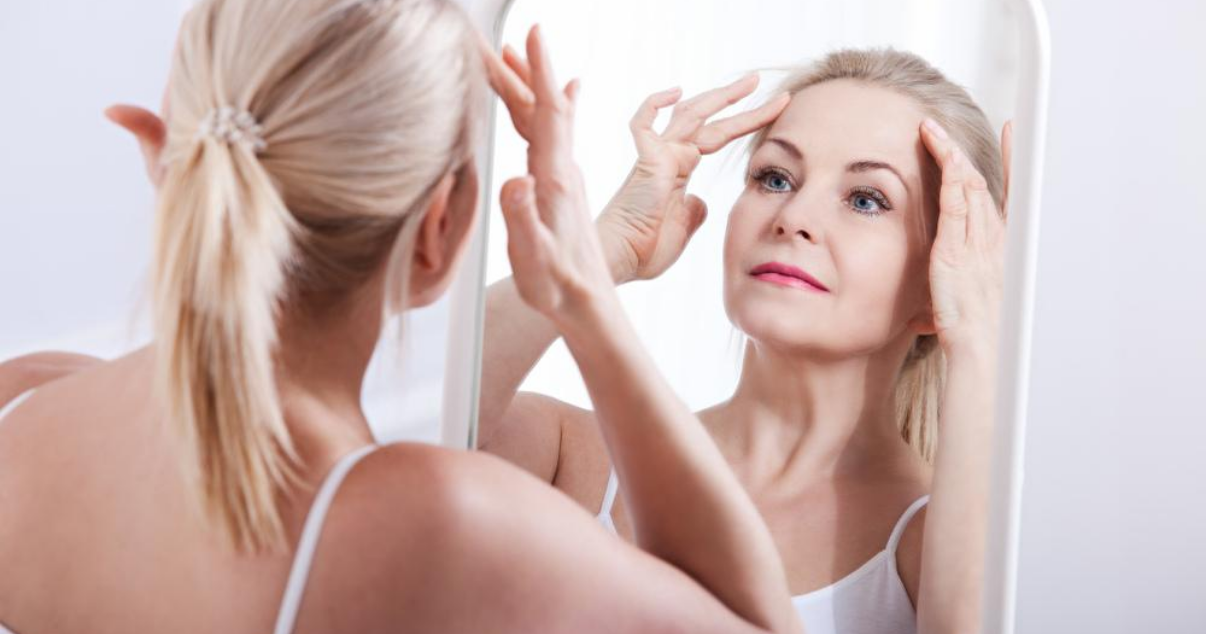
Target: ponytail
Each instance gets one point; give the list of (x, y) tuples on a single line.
[(223, 236), (918, 392)]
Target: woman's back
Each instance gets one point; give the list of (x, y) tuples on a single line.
[(99, 535), (101, 532)]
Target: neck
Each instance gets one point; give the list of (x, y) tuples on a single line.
[(322, 356), (795, 415)]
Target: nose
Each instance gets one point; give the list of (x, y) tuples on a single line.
[(797, 219)]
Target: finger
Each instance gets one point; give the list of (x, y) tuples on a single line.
[(641, 123), (513, 90), (544, 84), (517, 202), (517, 64), (720, 133), (697, 213), (692, 113), (1006, 157), (981, 208), (571, 92), (952, 202)]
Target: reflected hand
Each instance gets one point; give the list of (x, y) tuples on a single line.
[(649, 221), (556, 259), (967, 260)]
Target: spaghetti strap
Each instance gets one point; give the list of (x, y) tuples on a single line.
[(12, 405), (296, 586), (609, 498), (898, 530)]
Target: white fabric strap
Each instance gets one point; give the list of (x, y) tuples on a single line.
[(609, 498), (12, 405), (296, 587), (899, 529)]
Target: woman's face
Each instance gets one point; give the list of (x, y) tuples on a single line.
[(836, 192)]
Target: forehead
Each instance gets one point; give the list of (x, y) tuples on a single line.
[(843, 120)]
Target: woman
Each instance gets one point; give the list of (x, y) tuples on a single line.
[(863, 263), (224, 479)]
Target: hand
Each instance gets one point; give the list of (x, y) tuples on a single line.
[(150, 132), (649, 221), (967, 260), (647, 224), (556, 259)]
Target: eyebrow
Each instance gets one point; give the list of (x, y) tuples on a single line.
[(857, 167)]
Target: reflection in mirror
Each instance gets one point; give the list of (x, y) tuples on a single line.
[(798, 286)]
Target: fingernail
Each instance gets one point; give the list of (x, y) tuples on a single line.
[(935, 128)]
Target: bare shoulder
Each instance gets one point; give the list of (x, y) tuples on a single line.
[(418, 532), (26, 372), (458, 541)]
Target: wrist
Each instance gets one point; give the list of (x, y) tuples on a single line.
[(621, 261), (590, 316)]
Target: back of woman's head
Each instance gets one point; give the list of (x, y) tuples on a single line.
[(921, 381), (304, 139)]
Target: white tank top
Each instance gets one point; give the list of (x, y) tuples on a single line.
[(870, 600), (295, 587)]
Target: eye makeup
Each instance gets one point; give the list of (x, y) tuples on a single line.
[(862, 199)]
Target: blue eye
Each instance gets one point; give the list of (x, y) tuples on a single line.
[(773, 180), (868, 201), (864, 203)]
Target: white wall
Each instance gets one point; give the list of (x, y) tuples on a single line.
[(1114, 506)]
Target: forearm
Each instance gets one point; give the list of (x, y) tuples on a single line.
[(514, 338), (957, 518), (686, 505)]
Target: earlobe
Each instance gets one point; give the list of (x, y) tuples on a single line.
[(923, 323)]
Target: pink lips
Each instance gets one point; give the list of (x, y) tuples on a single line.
[(787, 275)]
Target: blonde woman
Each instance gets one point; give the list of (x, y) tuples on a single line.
[(315, 174), (863, 263)]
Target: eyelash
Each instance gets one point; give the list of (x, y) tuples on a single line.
[(760, 175)]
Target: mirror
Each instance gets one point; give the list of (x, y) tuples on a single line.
[(625, 50)]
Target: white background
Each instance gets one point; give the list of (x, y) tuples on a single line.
[(1115, 499)]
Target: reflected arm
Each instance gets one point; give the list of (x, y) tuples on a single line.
[(952, 561)]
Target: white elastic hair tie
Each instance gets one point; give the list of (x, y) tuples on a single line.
[(232, 126)]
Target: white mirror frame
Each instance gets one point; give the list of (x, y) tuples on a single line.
[(463, 369)]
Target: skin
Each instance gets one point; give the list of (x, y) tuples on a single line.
[(809, 430), (97, 519)]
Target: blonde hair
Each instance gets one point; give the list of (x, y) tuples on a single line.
[(362, 107), (922, 378)]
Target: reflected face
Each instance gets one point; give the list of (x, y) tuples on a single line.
[(827, 248)]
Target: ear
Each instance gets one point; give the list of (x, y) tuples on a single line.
[(150, 132), (923, 322), (443, 235)]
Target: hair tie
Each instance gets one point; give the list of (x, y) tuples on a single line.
[(232, 126)]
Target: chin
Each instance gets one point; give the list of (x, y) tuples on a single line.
[(776, 324)]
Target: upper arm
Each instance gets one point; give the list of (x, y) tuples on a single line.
[(23, 373), (529, 434), (908, 555), (514, 555)]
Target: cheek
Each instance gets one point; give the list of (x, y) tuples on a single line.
[(880, 283)]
